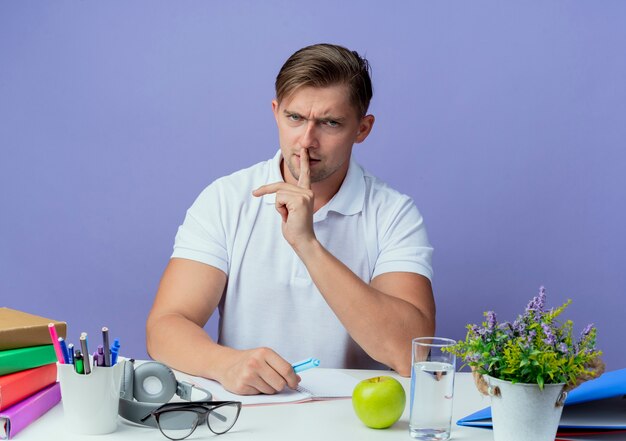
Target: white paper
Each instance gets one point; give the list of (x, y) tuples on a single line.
[(326, 383), (4, 422), (316, 383)]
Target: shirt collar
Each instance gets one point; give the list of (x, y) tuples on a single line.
[(347, 201)]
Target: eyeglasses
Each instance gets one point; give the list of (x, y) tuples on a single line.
[(178, 420)]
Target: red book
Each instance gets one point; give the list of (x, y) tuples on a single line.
[(20, 385)]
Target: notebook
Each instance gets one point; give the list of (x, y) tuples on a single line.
[(316, 384)]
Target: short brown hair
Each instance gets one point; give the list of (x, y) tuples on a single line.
[(323, 65)]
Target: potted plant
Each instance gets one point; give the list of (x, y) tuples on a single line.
[(527, 366)]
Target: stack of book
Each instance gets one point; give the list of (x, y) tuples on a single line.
[(28, 372)]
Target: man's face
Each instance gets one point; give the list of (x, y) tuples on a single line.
[(323, 121)]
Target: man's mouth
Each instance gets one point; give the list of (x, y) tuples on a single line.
[(310, 159)]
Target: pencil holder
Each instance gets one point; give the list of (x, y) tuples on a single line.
[(90, 402)]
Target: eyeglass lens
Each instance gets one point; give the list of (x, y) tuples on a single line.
[(177, 424), (220, 419)]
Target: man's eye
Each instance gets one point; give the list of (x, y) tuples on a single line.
[(293, 117), (331, 123)]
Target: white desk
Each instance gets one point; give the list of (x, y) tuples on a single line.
[(319, 420)]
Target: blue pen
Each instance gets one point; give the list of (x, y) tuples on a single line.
[(115, 349), (66, 357), (305, 364), (70, 353)]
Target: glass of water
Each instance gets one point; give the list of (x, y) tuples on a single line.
[(432, 387)]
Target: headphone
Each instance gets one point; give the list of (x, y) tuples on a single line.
[(147, 387)]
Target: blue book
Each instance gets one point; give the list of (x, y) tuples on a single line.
[(597, 404)]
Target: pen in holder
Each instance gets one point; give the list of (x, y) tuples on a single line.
[(90, 402)]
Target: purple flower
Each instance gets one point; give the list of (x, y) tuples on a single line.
[(563, 348), (530, 337), (537, 303), (507, 329), (587, 330), (472, 358), (519, 326), (550, 338), (491, 321)]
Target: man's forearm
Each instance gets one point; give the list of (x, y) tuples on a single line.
[(183, 345), (382, 324)]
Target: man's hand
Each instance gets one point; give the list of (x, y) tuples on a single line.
[(295, 204), (259, 370)]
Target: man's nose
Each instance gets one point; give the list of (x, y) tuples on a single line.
[(309, 137)]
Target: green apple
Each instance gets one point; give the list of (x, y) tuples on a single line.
[(379, 401)]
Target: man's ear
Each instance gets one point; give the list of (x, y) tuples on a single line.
[(365, 127), (275, 109)]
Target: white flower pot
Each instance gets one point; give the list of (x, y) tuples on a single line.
[(523, 412)]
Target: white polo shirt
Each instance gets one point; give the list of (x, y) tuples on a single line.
[(270, 299)]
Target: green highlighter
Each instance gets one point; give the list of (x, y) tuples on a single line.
[(78, 363)]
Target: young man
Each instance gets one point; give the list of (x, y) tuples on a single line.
[(304, 255)]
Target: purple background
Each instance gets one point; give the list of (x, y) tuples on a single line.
[(505, 121)]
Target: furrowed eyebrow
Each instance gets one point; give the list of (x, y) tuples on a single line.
[(289, 112), (325, 118), (332, 118)]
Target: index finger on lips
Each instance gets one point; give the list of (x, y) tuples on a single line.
[(304, 180)]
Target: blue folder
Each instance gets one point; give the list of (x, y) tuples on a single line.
[(607, 412)]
